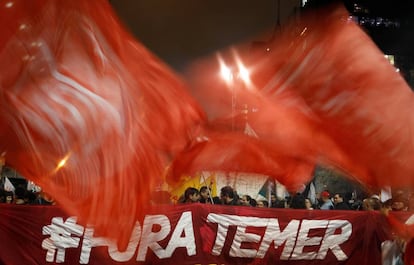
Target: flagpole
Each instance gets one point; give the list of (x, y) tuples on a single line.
[(209, 187), (269, 195)]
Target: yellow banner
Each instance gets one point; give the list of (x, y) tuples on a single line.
[(204, 179)]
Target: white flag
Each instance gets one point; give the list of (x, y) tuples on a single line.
[(33, 187), (8, 186), (312, 193), (386, 193)]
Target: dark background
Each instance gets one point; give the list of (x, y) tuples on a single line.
[(179, 31)]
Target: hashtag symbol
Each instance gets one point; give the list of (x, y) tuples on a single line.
[(61, 238)]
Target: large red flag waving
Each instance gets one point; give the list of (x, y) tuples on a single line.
[(359, 98), (87, 112), (93, 117), (323, 92)]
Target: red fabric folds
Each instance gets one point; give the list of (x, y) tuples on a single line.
[(236, 152), (360, 100), (88, 113), (94, 118), (323, 92)]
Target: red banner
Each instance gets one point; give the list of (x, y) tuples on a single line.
[(197, 234)]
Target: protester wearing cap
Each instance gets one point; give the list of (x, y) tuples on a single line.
[(326, 201)]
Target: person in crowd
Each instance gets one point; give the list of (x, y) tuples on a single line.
[(191, 195), (349, 199), (228, 196), (275, 202), (372, 203), (387, 205), (339, 203), (297, 201), (9, 195), (20, 195), (35, 198), (287, 201), (399, 203), (31, 197), (205, 194), (326, 202), (253, 202), (216, 200), (308, 204), (245, 200), (2, 195), (262, 204)]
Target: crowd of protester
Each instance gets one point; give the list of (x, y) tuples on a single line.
[(393, 251), (22, 196), (400, 201), (15, 189)]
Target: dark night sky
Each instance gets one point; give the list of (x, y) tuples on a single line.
[(179, 31)]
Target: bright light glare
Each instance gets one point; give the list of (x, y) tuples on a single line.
[(62, 162), (244, 74), (226, 73), (390, 58)]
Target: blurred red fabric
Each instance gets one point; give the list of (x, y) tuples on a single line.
[(321, 91), (94, 118), (360, 100), (89, 114)]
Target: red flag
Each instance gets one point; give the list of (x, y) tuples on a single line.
[(323, 92), (359, 98), (87, 112), (93, 117), (237, 152)]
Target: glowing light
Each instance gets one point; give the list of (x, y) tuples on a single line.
[(236, 73), (303, 31), (390, 58), (23, 27), (244, 73), (226, 73), (62, 162), (9, 4)]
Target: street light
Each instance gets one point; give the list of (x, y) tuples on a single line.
[(234, 77), (226, 73)]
